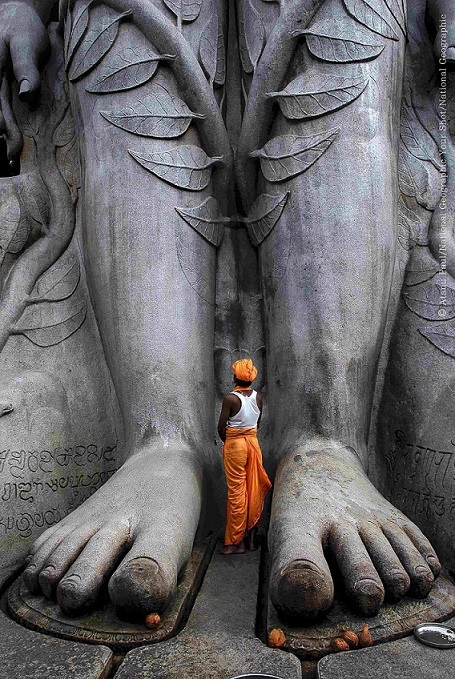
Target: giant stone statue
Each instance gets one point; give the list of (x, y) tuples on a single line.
[(142, 146)]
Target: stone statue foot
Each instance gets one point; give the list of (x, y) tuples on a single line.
[(324, 504), (136, 532)]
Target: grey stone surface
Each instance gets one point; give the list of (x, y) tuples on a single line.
[(219, 639), (325, 186), (29, 655), (395, 660)]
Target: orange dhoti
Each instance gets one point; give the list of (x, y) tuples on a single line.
[(247, 482)]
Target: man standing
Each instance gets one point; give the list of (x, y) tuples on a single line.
[(246, 478)]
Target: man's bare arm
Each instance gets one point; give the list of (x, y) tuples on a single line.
[(226, 411)]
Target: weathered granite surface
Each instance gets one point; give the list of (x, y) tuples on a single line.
[(395, 660), (338, 157)]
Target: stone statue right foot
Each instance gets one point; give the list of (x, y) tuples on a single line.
[(146, 513), (324, 502)]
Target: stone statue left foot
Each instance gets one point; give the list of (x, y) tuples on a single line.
[(324, 502), (146, 513)]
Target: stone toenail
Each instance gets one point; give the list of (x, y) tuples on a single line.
[(369, 587), (422, 570)]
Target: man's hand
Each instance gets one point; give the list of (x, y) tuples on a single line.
[(23, 43)]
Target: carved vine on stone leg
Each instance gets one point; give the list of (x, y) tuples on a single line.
[(38, 220)]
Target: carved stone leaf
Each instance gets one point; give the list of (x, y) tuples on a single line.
[(309, 96), (398, 12), (79, 23), (416, 138), (67, 33), (96, 43), (64, 133), (159, 114), (33, 197), (211, 48), (441, 335), (206, 220), (251, 35), (187, 167), (49, 324), (264, 215), (185, 10), (10, 216), (339, 49), (289, 155), (20, 236), (421, 268), (131, 68), (414, 180), (371, 17), (426, 301), (406, 226), (58, 283), (198, 269)]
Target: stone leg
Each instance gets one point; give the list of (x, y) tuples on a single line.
[(151, 280), (326, 271)]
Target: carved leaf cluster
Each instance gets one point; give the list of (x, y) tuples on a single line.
[(251, 35), (198, 268), (75, 27), (206, 219), (187, 167), (211, 48), (57, 283), (159, 114), (50, 326), (131, 68), (416, 139), (100, 37), (289, 155), (371, 14), (442, 336), (33, 198), (325, 42), (14, 227), (425, 301), (309, 96), (421, 268), (264, 215), (416, 181), (398, 11), (184, 10)]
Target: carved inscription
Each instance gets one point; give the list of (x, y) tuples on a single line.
[(422, 478), (38, 488)]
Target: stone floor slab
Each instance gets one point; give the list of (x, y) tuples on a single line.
[(219, 641), (403, 659), (29, 655)]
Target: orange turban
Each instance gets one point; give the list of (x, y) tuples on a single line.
[(244, 370)]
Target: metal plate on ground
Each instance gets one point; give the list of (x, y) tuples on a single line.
[(436, 635), (393, 621), (102, 626)]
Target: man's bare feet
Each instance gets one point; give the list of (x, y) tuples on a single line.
[(232, 549), (146, 513), (251, 539), (324, 502)]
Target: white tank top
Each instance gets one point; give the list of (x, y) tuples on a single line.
[(249, 412)]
